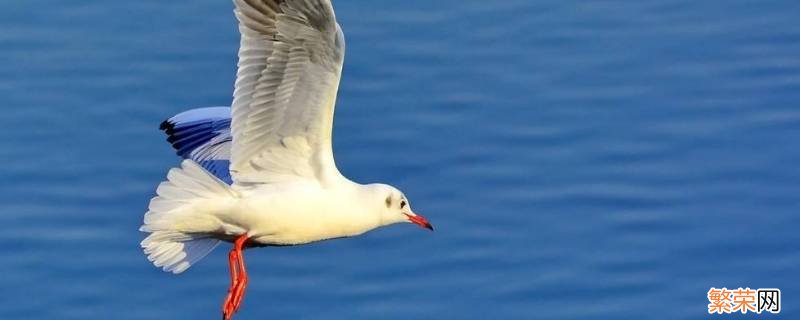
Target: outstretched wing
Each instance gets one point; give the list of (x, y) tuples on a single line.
[(290, 62)]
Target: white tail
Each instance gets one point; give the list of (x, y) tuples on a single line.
[(181, 218)]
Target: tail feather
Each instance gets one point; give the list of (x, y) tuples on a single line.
[(178, 219), (175, 252)]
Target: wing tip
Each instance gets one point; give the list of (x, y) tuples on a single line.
[(167, 126)]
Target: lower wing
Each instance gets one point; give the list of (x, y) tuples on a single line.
[(203, 135)]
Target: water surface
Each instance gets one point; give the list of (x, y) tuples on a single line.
[(580, 160)]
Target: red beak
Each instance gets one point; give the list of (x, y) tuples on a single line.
[(420, 221)]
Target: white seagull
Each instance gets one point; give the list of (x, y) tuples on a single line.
[(262, 173)]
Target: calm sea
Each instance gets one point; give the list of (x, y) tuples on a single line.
[(580, 159)]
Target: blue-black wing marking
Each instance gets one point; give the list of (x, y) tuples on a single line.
[(204, 136)]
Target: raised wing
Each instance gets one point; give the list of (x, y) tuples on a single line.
[(290, 62)]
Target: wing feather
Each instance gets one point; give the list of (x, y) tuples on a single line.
[(290, 63)]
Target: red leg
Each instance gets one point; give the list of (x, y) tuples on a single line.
[(238, 294), (227, 311), (238, 279)]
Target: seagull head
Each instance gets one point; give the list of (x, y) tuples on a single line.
[(395, 207)]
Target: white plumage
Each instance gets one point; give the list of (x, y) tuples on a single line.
[(286, 189), (290, 62), (262, 172)]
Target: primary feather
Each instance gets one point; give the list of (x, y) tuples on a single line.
[(203, 135)]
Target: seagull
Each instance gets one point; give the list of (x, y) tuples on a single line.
[(262, 173)]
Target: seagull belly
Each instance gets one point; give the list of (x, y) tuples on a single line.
[(300, 214)]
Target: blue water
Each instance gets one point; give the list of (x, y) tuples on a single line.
[(580, 159)]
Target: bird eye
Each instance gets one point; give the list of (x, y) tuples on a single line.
[(402, 204)]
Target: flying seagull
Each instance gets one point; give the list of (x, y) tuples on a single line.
[(262, 172)]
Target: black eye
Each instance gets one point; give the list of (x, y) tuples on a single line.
[(402, 204)]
